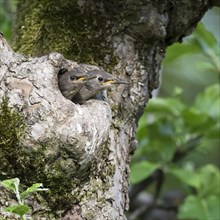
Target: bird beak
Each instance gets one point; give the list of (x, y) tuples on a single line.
[(116, 81), (90, 77), (85, 78), (119, 81)]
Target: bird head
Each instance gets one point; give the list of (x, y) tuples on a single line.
[(70, 82), (73, 77), (103, 80)]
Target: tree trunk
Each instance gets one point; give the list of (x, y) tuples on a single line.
[(82, 152)]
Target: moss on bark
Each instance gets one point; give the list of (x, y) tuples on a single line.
[(12, 129), (52, 26), (42, 163)]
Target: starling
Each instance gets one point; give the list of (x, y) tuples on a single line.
[(101, 81), (70, 82)]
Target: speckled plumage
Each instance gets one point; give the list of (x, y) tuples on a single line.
[(91, 88)]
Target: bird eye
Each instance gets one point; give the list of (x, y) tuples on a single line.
[(72, 77), (100, 79)]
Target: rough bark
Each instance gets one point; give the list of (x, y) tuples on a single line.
[(87, 147)]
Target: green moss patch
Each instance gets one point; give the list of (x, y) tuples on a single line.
[(46, 163), (52, 26)]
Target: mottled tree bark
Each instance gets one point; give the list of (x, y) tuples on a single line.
[(89, 146)]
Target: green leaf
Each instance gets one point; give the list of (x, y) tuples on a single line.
[(199, 122), (161, 150), (201, 40), (143, 120), (162, 127), (210, 179), (165, 106), (155, 149), (141, 170), (34, 188), (199, 209), (142, 133), (18, 209), (187, 176), (204, 37), (205, 66), (194, 117), (208, 101), (213, 132), (205, 180), (177, 50), (11, 184)]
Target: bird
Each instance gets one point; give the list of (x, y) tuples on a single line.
[(70, 82), (94, 87)]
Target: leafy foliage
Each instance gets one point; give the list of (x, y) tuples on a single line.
[(192, 65), (173, 132), (168, 132), (202, 42), (21, 208), (7, 9)]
